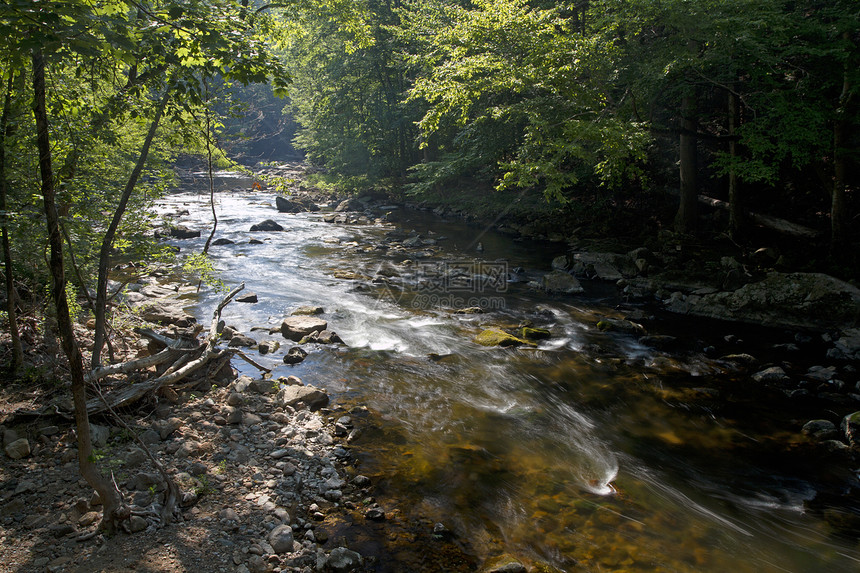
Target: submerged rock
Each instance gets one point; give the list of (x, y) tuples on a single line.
[(561, 282), (504, 564), (308, 310)]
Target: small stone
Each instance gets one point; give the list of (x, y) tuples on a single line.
[(136, 524), (150, 437), (233, 415), (135, 458), (343, 560), (99, 435), (235, 399), (49, 431), (375, 514), (88, 518), (18, 449)]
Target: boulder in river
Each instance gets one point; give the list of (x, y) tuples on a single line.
[(561, 282), (181, 232), (297, 327), (249, 297), (267, 225), (286, 206), (496, 337), (295, 355), (222, 241)]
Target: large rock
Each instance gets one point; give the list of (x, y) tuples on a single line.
[(561, 282), (314, 398), (786, 300), (286, 206), (297, 327), (267, 225)]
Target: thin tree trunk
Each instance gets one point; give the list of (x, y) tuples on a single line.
[(685, 220), (11, 295), (100, 309), (736, 211), (114, 509), (211, 179), (838, 206)]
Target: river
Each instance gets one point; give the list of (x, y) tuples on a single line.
[(587, 452)]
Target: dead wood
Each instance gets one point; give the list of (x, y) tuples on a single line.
[(773, 223)]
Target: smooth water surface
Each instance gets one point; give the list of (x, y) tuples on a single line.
[(588, 452)]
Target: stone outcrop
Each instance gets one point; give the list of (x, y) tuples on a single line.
[(788, 300)]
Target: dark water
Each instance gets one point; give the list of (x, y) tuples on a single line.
[(588, 452)]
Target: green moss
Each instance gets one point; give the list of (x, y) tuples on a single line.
[(495, 337), (529, 333)]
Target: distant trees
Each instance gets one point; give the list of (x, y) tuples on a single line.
[(745, 95)]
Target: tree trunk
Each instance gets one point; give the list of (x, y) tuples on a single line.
[(11, 310), (737, 223), (111, 500), (838, 207), (685, 220), (107, 242)]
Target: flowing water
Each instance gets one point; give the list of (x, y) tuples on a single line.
[(588, 452)]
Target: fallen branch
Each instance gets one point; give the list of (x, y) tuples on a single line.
[(774, 223), (134, 392)]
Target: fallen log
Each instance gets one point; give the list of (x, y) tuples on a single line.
[(774, 223)]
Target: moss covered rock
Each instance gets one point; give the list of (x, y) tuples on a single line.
[(530, 333), (496, 337)]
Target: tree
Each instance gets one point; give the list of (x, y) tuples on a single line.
[(529, 91)]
